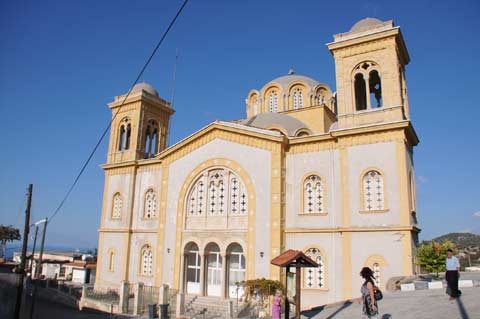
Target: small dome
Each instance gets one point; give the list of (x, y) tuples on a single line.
[(145, 87), (286, 80), (365, 24), (289, 124)]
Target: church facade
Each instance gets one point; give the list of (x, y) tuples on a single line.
[(328, 173)]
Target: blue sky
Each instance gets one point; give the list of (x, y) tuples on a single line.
[(61, 62)]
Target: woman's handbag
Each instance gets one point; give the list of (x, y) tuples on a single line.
[(377, 293)]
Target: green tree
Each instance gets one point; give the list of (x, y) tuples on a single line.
[(431, 255), (8, 234)]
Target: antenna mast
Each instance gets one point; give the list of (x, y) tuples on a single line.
[(173, 91)]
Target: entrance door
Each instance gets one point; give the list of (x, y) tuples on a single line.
[(236, 270), (214, 270), (192, 263)]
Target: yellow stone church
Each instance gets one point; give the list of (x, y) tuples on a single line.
[(329, 173)]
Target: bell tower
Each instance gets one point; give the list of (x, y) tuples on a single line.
[(140, 129), (370, 62)]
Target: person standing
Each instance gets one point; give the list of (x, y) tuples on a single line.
[(277, 305), (370, 307), (452, 275)]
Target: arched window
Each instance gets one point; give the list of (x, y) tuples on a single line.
[(128, 136), (321, 96), (368, 86), (111, 260), (376, 274), (413, 204), (273, 101), (124, 134), (117, 205), (236, 269), (146, 261), (217, 191), (151, 139), (373, 191), (253, 103), (121, 138), (314, 277), (313, 197), (360, 93), (302, 133), (255, 107), (214, 269), (375, 89), (150, 209), (193, 263), (297, 98)]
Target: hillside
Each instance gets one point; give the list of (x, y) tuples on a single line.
[(462, 240)]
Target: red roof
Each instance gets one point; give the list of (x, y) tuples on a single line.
[(81, 264), (293, 258)]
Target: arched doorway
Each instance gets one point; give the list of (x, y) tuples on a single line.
[(236, 270), (214, 270), (192, 262)]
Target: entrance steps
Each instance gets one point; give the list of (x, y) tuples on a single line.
[(207, 307)]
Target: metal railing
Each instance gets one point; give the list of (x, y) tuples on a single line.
[(109, 297), (150, 295)]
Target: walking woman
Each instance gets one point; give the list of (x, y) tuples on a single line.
[(370, 308)]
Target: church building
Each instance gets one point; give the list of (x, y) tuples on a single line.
[(328, 173)]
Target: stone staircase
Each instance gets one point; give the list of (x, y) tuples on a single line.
[(203, 307)]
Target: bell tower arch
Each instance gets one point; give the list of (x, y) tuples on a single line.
[(140, 129), (370, 62)]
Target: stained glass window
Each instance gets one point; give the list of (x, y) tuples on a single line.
[(225, 194), (146, 267), (117, 206), (297, 99), (111, 262), (273, 101), (314, 277), (376, 274), (373, 192), (150, 204), (313, 195)]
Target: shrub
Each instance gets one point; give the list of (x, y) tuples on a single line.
[(265, 287), (431, 255)]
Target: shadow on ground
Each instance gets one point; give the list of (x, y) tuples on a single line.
[(315, 311)]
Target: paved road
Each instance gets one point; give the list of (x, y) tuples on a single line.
[(422, 304), (47, 309)]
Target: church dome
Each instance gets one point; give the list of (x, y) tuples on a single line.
[(277, 121), (365, 24), (291, 77), (143, 86)]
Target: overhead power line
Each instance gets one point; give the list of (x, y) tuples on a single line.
[(107, 128)]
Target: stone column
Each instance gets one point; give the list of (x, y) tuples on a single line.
[(137, 302), (182, 273), (180, 305), (163, 295), (84, 290), (223, 281), (82, 298), (123, 302), (367, 88), (202, 274), (230, 311)]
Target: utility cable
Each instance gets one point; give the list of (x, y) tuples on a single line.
[(82, 170)]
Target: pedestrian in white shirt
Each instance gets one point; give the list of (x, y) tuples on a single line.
[(452, 275)]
